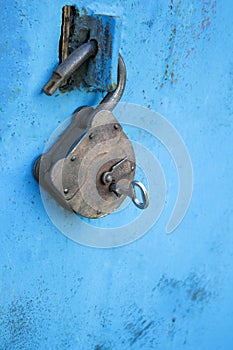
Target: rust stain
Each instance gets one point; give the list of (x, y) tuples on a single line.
[(205, 23), (187, 25), (189, 52)]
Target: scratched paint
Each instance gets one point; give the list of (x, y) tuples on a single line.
[(137, 327), (190, 22), (161, 292)]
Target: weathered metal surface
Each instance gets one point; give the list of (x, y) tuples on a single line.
[(161, 292), (80, 25), (70, 65), (76, 60), (71, 171)]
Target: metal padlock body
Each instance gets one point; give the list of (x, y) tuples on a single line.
[(71, 171)]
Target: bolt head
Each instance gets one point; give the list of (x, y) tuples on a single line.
[(99, 212), (73, 158), (116, 126), (66, 190), (108, 178), (91, 136), (132, 167)]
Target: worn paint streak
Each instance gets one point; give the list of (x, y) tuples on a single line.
[(189, 22)]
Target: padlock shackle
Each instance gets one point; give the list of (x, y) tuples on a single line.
[(112, 98)]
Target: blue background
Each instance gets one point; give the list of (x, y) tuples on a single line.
[(163, 291)]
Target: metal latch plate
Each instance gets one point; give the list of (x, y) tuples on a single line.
[(80, 26)]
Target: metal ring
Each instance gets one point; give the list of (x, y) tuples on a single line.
[(145, 199)]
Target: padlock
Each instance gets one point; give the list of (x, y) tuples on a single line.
[(90, 168)]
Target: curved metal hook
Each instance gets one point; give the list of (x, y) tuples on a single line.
[(70, 65), (112, 98), (74, 61)]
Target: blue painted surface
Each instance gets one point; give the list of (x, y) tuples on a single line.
[(161, 292)]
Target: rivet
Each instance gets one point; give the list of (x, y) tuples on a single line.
[(66, 190), (116, 126), (99, 212), (91, 136), (73, 158), (132, 167), (108, 178)]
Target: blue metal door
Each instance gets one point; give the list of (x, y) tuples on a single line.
[(161, 291)]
